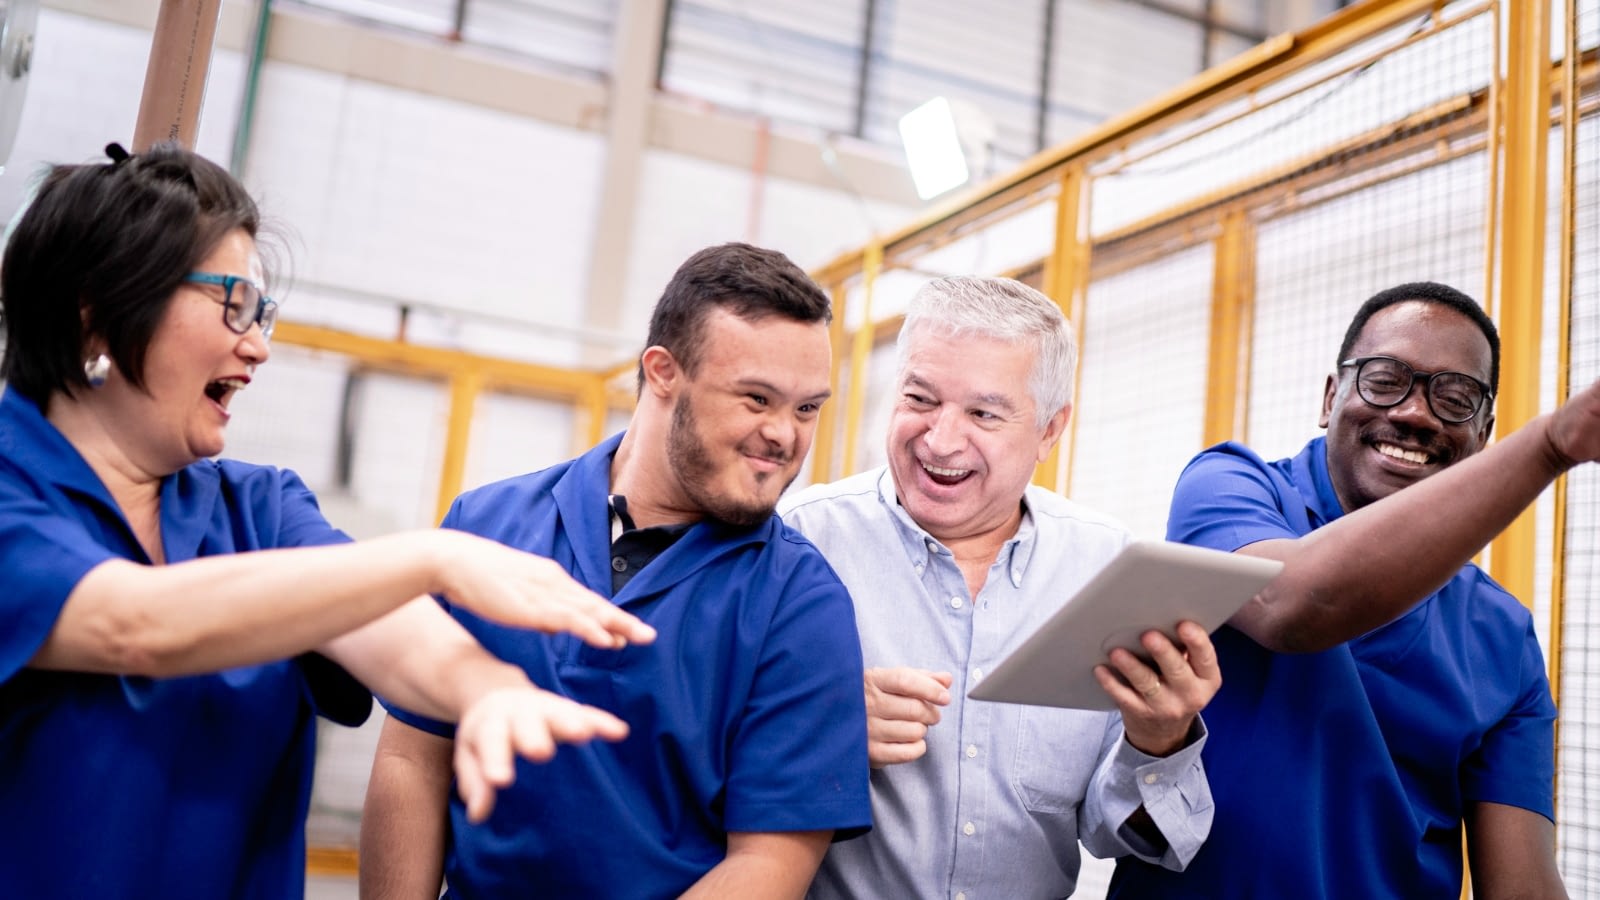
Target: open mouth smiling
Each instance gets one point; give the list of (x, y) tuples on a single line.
[(222, 390)]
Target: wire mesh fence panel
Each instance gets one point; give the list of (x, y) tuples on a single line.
[(513, 435), (1324, 118), (1317, 265), (1578, 753), (1141, 398)]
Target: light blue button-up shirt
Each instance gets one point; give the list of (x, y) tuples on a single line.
[(997, 806)]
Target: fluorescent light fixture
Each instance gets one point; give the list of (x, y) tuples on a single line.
[(933, 148)]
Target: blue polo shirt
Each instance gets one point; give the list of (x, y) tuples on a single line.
[(1346, 773), (131, 787), (746, 713)]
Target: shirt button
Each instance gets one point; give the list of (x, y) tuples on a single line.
[(955, 602), (977, 674), (1152, 778), (969, 829), (619, 564), (972, 750), (961, 895), (933, 547)]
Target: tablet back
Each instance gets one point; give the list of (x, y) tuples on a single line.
[(1149, 585)]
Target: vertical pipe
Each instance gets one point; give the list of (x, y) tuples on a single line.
[(822, 451), (1522, 243), (1233, 294), (1491, 244), (864, 69), (1068, 278), (1041, 128), (252, 89), (1209, 12), (465, 386), (175, 79), (1569, 228), (860, 356), (595, 403)]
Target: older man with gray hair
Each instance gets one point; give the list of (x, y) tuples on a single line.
[(952, 558)]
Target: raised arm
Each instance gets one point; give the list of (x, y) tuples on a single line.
[(1369, 567), (247, 608)]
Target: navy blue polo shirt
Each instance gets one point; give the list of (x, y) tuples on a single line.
[(746, 713), (132, 787), (1346, 773)]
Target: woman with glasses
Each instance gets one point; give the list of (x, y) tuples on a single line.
[(171, 623)]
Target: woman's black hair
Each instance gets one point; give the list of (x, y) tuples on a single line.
[(99, 253)]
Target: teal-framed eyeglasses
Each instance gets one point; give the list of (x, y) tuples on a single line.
[(243, 302)]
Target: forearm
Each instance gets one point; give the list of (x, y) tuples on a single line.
[(406, 818), (241, 609), (1371, 566), (770, 866), (419, 658)]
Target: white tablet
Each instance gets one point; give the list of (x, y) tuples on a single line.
[(1149, 585)]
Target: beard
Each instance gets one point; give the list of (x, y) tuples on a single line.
[(690, 460)]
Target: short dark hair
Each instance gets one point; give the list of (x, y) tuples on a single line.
[(750, 282), (100, 251), (1427, 292)]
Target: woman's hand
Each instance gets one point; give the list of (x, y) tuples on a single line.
[(519, 721), (527, 591)]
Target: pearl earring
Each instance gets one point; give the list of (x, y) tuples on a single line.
[(97, 369)]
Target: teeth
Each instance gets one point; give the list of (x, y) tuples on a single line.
[(946, 473), (1413, 456), (232, 384)]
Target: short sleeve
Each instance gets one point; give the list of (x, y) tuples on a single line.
[(1227, 498), (335, 694), (44, 554), (799, 758), (1515, 763)]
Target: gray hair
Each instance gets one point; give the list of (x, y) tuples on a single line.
[(1001, 309)]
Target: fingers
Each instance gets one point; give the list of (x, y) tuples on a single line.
[(569, 606), (525, 722), (893, 754), (1202, 655), (483, 762), (902, 703), (1159, 701), (914, 684)]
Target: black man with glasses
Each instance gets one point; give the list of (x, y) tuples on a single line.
[(1383, 697)]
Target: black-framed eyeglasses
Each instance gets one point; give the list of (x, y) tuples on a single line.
[(1384, 381), (243, 303)]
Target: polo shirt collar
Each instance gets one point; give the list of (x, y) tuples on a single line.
[(1311, 479), (28, 439), (581, 497), (919, 545)]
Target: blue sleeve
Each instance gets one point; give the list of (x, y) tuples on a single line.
[(44, 553), (1515, 763), (799, 756), (335, 694), (303, 524), (1228, 498)]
